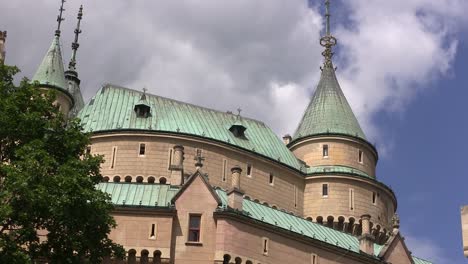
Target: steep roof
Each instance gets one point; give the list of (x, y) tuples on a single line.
[(112, 109), (50, 71), (328, 111)]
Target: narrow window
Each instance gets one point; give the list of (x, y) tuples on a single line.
[(374, 198), (265, 246), (114, 152), (351, 199), (142, 149), (325, 151), (198, 152), (295, 197), (153, 231), (169, 159), (224, 170), (325, 190), (194, 228), (249, 170), (361, 154), (314, 259), (272, 179)]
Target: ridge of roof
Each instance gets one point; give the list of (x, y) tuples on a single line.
[(324, 169), (328, 111)]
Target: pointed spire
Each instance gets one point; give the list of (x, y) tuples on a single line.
[(328, 41), (75, 44), (60, 19)]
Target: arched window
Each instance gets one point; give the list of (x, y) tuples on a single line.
[(162, 180), (248, 262), (226, 259), (139, 179), (309, 219), (330, 221), (144, 256), (105, 179), (157, 257), (128, 178), (341, 223), (116, 179), (151, 179), (238, 260), (320, 220), (131, 256), (350, 225)]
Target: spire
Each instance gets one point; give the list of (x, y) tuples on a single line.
[(60, 19), (328, 111), (75, 44)]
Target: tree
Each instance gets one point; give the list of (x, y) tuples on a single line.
[(49, 206)]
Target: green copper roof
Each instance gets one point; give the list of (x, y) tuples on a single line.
[(112, 109), (420, 261), (51, 72), (336, 169), (301, 226), (328, 111), (139, 194)]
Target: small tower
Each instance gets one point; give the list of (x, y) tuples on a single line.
[(72, 74), (3, 35), (50, 73)]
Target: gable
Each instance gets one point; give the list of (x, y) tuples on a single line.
[(397, 252)]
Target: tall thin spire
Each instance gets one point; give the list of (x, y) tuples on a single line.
[(75, 44), (60, 19), (328, 41)]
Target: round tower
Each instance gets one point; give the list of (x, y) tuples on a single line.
[(341, 183)]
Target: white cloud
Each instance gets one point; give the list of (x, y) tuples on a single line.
[(427, 249)]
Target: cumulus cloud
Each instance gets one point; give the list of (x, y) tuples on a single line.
[(428, 249), (262, 56)]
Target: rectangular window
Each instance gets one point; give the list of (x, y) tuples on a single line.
[(325, 151), (295, 197), (224, 170), (249, 170), (198, 152), (361, 158), (265, 246), (169, 159), (142, 149), (271, 179), (114, 153), (325, 190), (152, 231), (194, 228), (314, 259), (374, 198), (351, 199)]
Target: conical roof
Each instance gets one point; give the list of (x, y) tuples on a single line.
[(329, 111), (50, 71)]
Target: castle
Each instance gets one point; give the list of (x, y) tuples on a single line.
[(196, 185)]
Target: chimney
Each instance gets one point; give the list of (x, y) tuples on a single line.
[(366, 240), (287, 139), (235, 195), (3, 35), (177, 165)]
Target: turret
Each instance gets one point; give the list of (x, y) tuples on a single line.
[(341, 182), (3, 35), (50, 73), (71, 74)]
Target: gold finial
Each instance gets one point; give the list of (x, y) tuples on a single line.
[(328, 41), (75, 44), (60, 19)]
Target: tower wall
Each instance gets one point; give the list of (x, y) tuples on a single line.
[(341, 151), (3, 35), (63, 101)]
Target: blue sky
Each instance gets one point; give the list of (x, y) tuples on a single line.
[(401, 63)]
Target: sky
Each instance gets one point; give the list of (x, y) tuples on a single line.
[(401, 65)]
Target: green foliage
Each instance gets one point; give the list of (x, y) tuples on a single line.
[(49, 207)]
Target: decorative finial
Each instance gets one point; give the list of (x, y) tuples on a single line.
[(199, 159), (75, 44), (328, 41), (60, 19), (143, 96), (396, 221), (239, 110)]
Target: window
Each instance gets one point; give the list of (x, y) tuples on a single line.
[(114, 153), (249, 170), (374, 198), (361, 156), (88, 150), (152, 231), (194, 228), (224, 170), (325, 190), (351, 199), (314, 259), (295, 197), (162, 180), (142, 149), (265, 246), (169, 159), (325, 151), (271, 179), (116, 179), (128, 178), (139, 179)]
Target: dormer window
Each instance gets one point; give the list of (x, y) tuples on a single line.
[(142, 110), (238, 130)]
